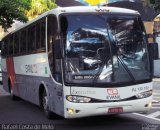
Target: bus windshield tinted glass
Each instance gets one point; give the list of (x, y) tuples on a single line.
[(104, 49)]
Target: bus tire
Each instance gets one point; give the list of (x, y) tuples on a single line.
[(45, 106)]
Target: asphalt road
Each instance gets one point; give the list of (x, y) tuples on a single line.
[(23, 115)]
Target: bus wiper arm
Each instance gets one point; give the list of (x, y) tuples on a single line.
[(100, 70), (126, 68)]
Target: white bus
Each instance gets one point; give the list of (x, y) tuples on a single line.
[(80, 61)]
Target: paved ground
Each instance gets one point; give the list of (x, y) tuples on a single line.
[(20, 114)]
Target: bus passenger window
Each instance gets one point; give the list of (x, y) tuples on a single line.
[(31, 39), (8, 42), (16, 43), (43, 36), (11, 45), (52, 36), (23, 41), (4, 48), (38, 35)]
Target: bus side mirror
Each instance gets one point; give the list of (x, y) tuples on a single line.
[(153, 51), (57, 50), (153, 54)]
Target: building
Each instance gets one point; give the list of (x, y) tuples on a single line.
[(111, 1)]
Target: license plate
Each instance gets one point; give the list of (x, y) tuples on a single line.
[(115, 110)]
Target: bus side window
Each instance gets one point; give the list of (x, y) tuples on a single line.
[(23, 41), (52, 36), (10, 45), (7, 42), (16, 43), (43, 36), (51, 39), (38, 36), (4, 48), (31, 38)]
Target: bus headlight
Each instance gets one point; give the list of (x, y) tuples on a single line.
[(78, 99), (144, 94)]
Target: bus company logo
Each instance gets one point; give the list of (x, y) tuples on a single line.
[(112, 91), (31, 68)]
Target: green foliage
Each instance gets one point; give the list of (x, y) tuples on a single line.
[(20, 10), (156, 5), (11, 10), (40, 6), (152, 1)]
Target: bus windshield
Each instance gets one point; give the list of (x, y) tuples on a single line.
[(103, 48)]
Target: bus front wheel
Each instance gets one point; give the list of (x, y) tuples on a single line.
[(45, 106)]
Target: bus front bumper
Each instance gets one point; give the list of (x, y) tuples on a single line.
[(77, 110)]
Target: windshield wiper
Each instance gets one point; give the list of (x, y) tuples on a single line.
[(107, 57), (100, 70), (126, 68)]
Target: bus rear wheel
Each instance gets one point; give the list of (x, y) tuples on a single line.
[(45, 106)]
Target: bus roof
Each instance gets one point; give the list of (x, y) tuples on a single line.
[(79, 9)]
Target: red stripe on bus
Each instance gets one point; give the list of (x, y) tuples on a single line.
[(10, 70)]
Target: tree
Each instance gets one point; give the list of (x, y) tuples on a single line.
[(156, 5), (11, 10), (40, 6)]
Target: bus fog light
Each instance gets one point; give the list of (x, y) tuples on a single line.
[(71, 110), (150, 104), (78, 99), (144, 94)]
